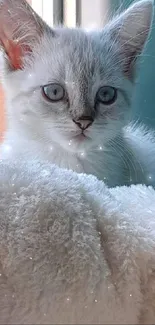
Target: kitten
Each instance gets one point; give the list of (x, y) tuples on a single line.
[(69, 92)]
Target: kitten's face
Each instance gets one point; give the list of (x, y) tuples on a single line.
[(75, 89), (74, 94)]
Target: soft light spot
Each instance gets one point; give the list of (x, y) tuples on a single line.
[(30, 258), (13, 296), (91, 27), (68, 299), (45, 173), (85, 306), (96, 300), (7, 148), (100, 148), (0, 274), (130, 294), (44, 314), (51, 148), (82, 154)]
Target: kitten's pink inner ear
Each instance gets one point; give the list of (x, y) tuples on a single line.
[(20, 29), (15, 51)]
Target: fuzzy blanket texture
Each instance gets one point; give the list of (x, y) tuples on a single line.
[(73, 251)]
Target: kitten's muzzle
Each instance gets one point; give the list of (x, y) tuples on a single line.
[(84, 122)]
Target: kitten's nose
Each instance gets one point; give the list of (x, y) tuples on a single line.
[(84, 122)]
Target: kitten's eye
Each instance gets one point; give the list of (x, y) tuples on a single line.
[(53, 92), (106, 95)]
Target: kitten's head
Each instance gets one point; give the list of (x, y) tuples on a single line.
[(69, 86)]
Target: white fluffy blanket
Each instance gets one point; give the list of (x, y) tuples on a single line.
[(72, 251)]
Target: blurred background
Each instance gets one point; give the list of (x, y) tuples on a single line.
[(95, 13)]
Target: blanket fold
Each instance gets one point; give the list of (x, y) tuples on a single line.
[(73, 251)]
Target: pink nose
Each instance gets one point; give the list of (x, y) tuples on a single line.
[(84, 122)]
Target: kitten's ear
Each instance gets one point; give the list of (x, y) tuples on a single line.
[(131, 30), (20, 29)]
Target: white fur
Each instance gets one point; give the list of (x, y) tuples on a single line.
[(130, 160), (73, 251)]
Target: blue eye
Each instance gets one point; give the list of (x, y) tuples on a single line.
[(106, 95), (53, 92)]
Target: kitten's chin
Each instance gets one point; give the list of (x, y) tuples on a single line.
[(77, 144)]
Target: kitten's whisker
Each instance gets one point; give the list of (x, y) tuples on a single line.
[(120, 141), (123, 158), (129, 151)]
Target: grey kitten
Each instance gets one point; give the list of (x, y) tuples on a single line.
[(69, 93)]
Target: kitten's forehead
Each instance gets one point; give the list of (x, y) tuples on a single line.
[(90, 48), (79, 49), (85, 60), (81, 54)]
